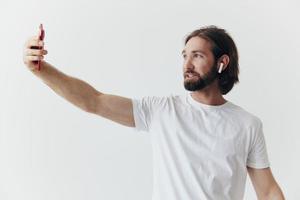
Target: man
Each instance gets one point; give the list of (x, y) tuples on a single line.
[(203, 145)]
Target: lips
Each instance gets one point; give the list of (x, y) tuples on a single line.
[(190, 75)]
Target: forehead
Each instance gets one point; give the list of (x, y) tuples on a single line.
[(197, 43)]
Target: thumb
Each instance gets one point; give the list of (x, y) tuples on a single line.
[(39, 33)]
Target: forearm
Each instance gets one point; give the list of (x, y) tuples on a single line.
[(74, 90)]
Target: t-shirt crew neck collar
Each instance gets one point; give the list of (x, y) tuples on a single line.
[(205, 106)]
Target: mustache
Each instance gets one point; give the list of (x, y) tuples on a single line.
[(186, 73)]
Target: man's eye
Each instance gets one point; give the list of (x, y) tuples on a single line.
[(198, 56)]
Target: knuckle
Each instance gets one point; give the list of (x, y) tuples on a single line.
[(27, 52)]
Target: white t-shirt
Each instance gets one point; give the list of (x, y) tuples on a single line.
[(200, 151)]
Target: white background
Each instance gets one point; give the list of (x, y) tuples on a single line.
[(51, 150)]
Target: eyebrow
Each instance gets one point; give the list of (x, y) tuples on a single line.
[(195, 51)]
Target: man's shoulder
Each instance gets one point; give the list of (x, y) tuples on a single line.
[(160, 103), (162, 99), (245, 115)]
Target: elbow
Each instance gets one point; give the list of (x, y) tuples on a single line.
[(92, 103), (274, 194), (88, 109)]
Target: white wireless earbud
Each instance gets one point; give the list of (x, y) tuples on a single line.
[(221, 68)]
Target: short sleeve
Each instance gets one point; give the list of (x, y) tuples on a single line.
[(144, 110), (258, 156)]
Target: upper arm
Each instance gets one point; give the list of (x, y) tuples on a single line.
[(263, 182), (116, 108)]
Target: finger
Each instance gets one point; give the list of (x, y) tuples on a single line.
[(39, 33), (30, 39), (35, 52), (34, 58), (35, 37), (34, 43)]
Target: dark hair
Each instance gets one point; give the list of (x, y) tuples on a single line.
[(222, 43)]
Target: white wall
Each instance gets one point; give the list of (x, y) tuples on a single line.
[(50, 149)]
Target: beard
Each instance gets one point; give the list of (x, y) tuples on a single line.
[(201, 82)]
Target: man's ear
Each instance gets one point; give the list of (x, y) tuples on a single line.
[(225, 60)]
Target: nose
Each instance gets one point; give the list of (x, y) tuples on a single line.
[(188, 65)]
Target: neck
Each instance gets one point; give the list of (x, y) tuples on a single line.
[(209, 95)]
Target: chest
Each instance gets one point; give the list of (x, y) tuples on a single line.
[(198, 136)]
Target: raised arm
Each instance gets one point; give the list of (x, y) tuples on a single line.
[(76, 91)]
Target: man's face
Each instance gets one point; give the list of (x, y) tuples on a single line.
[(199, 68)]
